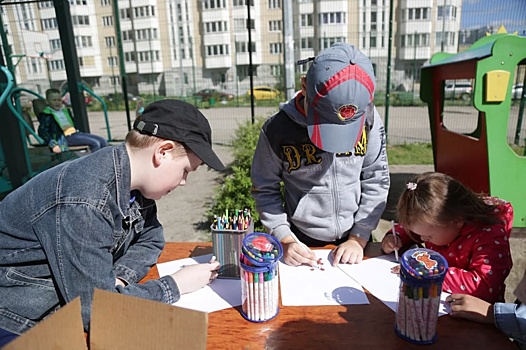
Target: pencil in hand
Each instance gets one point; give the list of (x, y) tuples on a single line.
[(395, 236), (303, 246)]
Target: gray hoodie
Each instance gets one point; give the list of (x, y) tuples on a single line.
[(327, 196)]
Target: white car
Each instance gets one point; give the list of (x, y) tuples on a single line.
[(458, 90), (516, 91)]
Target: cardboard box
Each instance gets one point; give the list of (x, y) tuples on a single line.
[(118, 322)]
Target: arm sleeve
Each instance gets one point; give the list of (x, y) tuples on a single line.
[(266, 191), (45, 129), (143, 252), (375, 182), (80, 258), (489, 266), (511, 319)]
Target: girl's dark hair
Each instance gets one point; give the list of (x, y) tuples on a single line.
[(437, 199)]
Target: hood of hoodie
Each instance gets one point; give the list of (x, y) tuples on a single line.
[(294, 109)]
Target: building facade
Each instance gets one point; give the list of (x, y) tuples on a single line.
[(177, 47)]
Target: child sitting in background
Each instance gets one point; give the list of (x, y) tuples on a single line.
[(57, 127), (510, 318), (470, 231)]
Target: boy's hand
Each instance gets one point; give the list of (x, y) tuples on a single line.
[(193, 277), (56, 149), (471, 308), (294, 254), (349, 252), (388, 243)]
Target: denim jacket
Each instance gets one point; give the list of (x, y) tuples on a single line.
[(511, 317), (72, 229)]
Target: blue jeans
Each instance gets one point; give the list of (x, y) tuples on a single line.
[(94, 142), (6, 337)]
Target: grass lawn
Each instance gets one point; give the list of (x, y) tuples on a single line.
[(420, 153), (410, 153)]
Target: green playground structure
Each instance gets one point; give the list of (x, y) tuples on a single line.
[(10, 97), (482, 159)]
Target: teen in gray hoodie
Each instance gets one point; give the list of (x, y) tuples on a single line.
[(327, 146)]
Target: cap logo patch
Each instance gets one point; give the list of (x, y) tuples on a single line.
[(346, 112)]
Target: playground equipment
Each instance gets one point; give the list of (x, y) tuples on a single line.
[(10, 96), (483, 159)]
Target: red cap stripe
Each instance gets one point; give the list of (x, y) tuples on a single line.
[(352, 71)]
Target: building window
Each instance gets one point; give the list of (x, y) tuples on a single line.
[(80, 20), (83, 41), (107, 21), (451, 12), (55, 44), (373, 20), (242, 46), (372, 42), (56, 65), (306, 20), (275, 48), (216, 27), (332, 18), (274, 4), (325, 43), (46, 5), (306, 43), (110, 41), (237, 3), (112, 61), (105, 2), (214, 4), (274, 26), (277, 71), (216, 50), (49, 23)]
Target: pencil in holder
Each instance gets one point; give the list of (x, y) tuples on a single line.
[(259, 277), (422, 273), (227, 247)]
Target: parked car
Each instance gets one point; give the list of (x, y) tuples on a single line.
[(458, 90), (516, 91), (206, 94), (264, 93), (131, 97)]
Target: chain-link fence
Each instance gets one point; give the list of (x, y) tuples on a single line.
[(203, 52)]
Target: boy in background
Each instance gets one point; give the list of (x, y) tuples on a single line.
[(57, 127)]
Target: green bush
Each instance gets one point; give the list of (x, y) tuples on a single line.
[(235, 191)]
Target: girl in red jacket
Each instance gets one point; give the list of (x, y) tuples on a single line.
[(470, 231)]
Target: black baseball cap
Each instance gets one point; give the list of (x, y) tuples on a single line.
[(180, 121)]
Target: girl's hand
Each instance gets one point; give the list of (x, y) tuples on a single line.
[(193, 277), (471, 308), (294, 254), (388, 243)]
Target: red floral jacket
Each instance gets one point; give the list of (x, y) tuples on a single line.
[(479, 258)]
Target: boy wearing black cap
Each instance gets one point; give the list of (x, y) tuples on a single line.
[(327, 146), (92, 222)]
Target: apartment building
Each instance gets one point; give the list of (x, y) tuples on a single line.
[(176, 47)]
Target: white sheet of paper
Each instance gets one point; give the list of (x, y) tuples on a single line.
[(220, 294), (375, 275), (302, 286)]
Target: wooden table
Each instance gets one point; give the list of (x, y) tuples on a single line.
[(329, 327)]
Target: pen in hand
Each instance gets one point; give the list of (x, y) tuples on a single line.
[(303, 246), (395, 236)]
